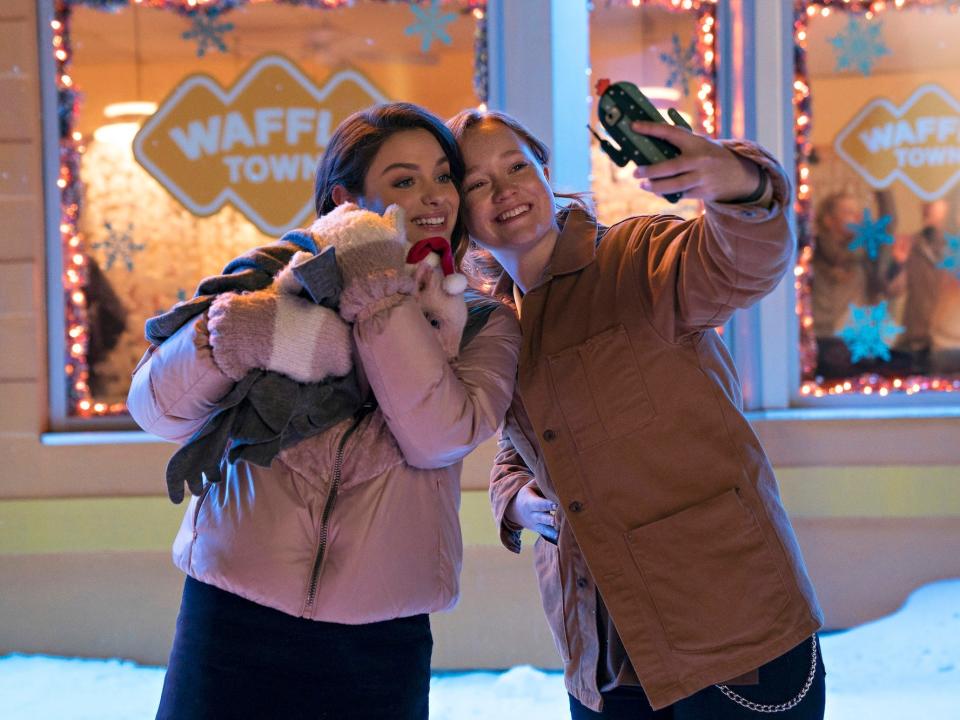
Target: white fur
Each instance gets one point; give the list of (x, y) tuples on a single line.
[(286, 281), (348, 225), (455, 284)]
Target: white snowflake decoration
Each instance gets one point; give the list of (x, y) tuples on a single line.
[(870, 234), (430, 24), (859, 45), (870, 332), (207, 31), (951, 260), (684, 65), (118, 245)]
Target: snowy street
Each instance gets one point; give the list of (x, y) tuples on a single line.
[(903, 666)]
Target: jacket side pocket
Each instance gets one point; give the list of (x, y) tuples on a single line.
[(710, 574), (194, 527)]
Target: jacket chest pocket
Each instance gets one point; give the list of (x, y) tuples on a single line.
[(600, 388)]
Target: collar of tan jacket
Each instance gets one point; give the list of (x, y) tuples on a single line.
[(575, 249)]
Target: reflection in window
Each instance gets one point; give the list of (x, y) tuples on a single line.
[(878, 130), (666, 49), (222, 163)]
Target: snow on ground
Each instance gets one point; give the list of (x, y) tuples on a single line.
[(901, 667)]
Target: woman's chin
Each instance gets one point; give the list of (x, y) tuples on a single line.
[(416, 233)]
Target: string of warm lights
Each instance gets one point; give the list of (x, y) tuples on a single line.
[(74, 260), (481, 56), (868, 383), (707, 94)]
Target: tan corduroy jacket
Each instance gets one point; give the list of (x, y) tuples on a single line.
[(628, 415)]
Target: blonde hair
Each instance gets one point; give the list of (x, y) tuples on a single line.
[(478, 264)]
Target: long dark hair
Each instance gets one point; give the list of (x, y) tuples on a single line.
[(358, 139), (478, 264)]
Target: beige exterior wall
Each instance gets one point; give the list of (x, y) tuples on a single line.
[(85, 529)]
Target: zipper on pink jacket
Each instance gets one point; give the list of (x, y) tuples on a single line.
[(364, 410)]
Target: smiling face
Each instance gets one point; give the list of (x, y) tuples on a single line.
[(411, 170), (508, 202)]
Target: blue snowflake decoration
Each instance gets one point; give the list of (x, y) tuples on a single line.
[(118, 245), (870, 332), (684, 65), (207, 31), (870, 234), (859, 45), (430, 24), (951, 260)]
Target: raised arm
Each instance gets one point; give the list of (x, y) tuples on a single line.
[(438, 411), (694, 274)]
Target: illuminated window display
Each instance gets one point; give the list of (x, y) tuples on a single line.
[(877, 117), (190, 132)]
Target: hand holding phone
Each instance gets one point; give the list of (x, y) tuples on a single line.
[(621, 104)]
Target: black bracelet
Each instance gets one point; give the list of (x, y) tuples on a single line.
[(757, 194)]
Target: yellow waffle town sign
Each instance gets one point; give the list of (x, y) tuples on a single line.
[(917, 143), (255, 146)]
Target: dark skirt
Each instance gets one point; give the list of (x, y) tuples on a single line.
[(235, 659)]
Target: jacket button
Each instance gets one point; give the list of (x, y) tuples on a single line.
[(575, 506), (582, 582), (549, 435)]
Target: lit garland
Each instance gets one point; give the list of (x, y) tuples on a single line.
[(868, 383), (80, 400), (481, 55)]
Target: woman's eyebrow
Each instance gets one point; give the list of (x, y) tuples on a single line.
[(508, 153), (401, 165)]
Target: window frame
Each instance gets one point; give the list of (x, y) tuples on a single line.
[(800, 430), (61, 417)]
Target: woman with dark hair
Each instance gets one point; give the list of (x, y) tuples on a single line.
[(670, 575), (309, 582)]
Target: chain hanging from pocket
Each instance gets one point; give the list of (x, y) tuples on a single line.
[(782, 707)]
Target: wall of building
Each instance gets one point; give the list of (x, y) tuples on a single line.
[(85, 528)]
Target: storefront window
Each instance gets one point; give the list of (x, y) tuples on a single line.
[(190, 132), (666, 49), (877, 99)]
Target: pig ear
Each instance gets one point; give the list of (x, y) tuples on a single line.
[(395, 215), (424, 276)]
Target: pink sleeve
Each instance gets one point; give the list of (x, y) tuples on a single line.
[(177, 384), (438, 411)]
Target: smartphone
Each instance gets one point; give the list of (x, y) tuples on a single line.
[(621, 104)]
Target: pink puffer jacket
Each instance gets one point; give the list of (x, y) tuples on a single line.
[(358, 524)]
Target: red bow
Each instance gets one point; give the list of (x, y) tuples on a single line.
[(437, 244)]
